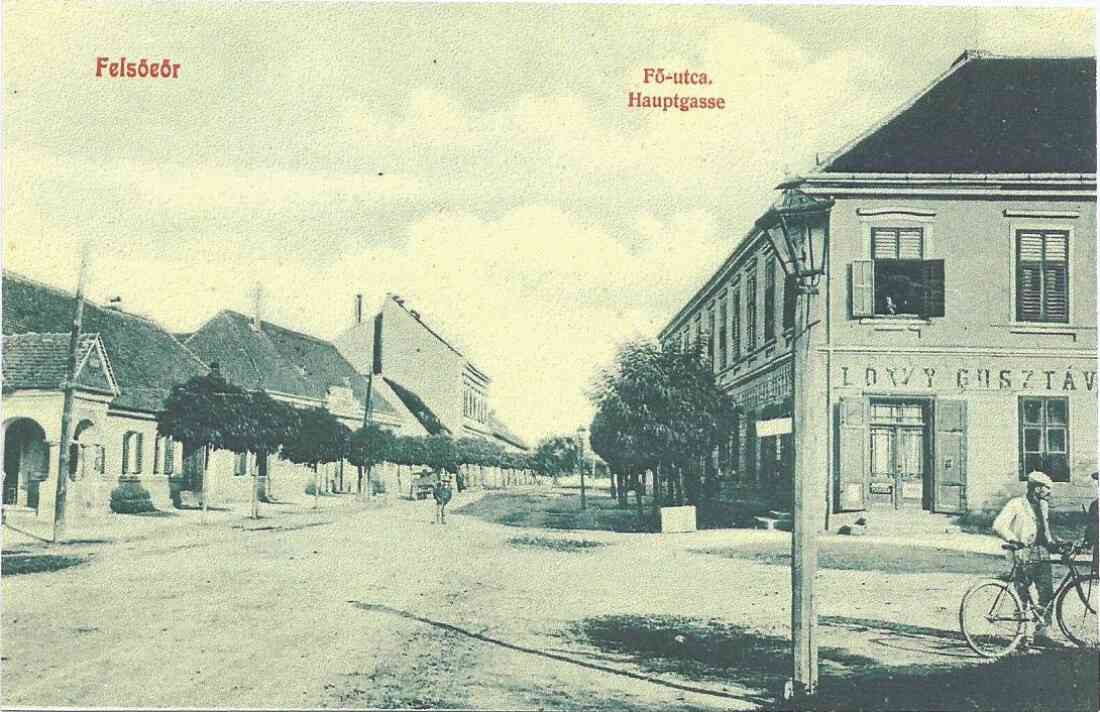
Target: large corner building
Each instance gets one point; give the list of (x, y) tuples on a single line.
[(958, 312)]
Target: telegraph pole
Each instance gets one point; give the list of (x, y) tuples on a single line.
[(67, 407)]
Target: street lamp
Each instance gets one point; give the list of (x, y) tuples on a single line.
[(580, 462), (797, 227)]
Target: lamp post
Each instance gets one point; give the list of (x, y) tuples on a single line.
[(580, 462), (797, 227)]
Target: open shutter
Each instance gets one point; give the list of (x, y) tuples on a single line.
[(950, 465), (863, 288), (933, 288), (852, 451), (126, 453), (138, 444), (156, 454)]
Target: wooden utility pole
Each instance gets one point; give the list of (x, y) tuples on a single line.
[(67, 407)]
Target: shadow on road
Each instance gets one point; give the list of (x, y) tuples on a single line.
[(18, 563), (706, 650), (571, 659)]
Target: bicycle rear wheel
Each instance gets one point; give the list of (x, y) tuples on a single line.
[(992, 619), (1076, 611)]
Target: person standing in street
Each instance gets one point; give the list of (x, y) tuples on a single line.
[(1024, 524), (442, 494)]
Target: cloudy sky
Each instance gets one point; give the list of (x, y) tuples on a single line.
[(480, 161)]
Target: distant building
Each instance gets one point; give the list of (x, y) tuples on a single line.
[(299, 369), (435, 381), (127, 367), (959, 306)]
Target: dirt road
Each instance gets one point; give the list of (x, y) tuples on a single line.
[(383, 608)]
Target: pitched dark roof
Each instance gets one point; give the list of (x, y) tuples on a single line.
[(41, 361), (989, 115), (147, 361), (274, 358), (380, 404), (501, 431), (418, 408)]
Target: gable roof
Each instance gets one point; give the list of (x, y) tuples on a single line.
[(988, 114), (418, 408), (274, 358), (145, 359), (41, 361), (501, 431)]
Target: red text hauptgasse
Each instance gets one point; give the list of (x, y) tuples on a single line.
[(139, 69)]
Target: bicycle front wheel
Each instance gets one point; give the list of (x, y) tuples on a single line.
[(992, 619), (1076, 611)]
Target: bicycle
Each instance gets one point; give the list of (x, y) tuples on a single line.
[(994, 620)]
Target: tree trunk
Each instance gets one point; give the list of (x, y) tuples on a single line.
[(205, 473), (256, 491), (316, 487), (637, 482)]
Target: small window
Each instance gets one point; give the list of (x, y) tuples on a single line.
[(769, 299), (1042, 275), (898, 254), (240, 464), (750, 313), (169, 455), (735, 325), (1044, 437), (790, 300), (710, 337), (897, 281), (722, 318), (131, 453)]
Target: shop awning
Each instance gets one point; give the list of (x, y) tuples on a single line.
[(773, 427)]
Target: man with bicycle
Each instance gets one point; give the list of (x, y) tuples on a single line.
[(1024, 524)]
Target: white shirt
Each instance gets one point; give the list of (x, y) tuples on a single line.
[(1017, 522)]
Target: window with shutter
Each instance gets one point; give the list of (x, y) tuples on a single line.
[(790, 299), (722, 319), (138, 442), (126, 453), (750, 313), (735, 324), (156, 455), (898, 280), (769, 299), (863, 288), (1042, 275), (169, 456)]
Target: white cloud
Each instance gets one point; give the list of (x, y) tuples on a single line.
[(522, 207)]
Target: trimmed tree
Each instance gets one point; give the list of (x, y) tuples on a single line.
[(207, 412), (369, 446), (276, 424), (658, 410), (320, 439)]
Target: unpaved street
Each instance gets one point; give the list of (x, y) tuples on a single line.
[(378, 607)]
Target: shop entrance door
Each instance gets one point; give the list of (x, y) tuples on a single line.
[(898, 455)]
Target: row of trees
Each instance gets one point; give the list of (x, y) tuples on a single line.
[(209, 413), (659, 411)]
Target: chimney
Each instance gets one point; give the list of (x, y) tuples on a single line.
[(258, 296), (415, 313), (115, 304), (358, 309)]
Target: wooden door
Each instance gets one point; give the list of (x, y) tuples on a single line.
[(950, 463)]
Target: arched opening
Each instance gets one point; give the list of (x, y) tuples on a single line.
[(84, 453), (26, 461)]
